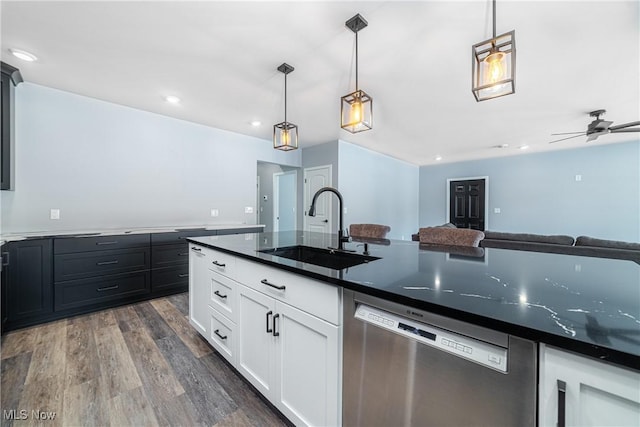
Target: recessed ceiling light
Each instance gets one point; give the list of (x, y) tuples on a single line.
[(25, 56), (255, 123), (524, 147), (501, 146), (172, 99), (438, 158)]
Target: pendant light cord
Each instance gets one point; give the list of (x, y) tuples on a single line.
[(285, 98), (494, 19), (357, 60)]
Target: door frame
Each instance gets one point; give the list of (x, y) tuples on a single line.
[(276, 199), (307, 196), (486, 197)]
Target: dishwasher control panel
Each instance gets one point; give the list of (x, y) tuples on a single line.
[(486, 354)]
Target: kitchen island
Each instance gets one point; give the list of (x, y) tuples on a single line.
[(586, 306)]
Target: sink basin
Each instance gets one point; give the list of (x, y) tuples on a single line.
[(323, 257)]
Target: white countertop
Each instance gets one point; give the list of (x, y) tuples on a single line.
[(12, 237)]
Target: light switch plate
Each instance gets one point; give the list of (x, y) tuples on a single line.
[(496, 210), (248, 209), (215, 212), (54, 214)]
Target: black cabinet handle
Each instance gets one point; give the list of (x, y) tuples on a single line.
[(219, 264), (266, 282), (183, 275), (107, 262), (108, 288), (275, 332), (183, 254), (269, 313), (562, 392), (217, 332), (220, 295), (5, 259), (196, 249), (115, 242)]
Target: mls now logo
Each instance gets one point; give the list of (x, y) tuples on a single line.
[(23, 414)]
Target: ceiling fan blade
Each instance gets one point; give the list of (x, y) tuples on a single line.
[(625, 125), (594, 136), (564, 139), (568, 133), (624, 130)]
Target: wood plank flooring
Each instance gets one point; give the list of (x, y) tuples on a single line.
[(137, 365)]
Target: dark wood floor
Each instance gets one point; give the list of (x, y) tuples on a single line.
[(141, 364)]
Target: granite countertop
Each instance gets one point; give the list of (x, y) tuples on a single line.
[(11, 237), (582, 304)]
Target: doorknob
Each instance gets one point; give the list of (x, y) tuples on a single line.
[(326, 220)]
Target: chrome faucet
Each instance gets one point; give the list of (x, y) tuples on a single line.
[(342, 237)]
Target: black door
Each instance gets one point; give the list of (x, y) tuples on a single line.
[(466, 203)]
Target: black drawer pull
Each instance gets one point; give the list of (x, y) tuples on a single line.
[(266, 282), (183, 254), (115, 242), (219, 264), (196, 249), (107, 262), (220, 295), (183, 275), (217, 332), (108, 288)]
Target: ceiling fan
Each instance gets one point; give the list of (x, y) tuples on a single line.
[(600, 127)]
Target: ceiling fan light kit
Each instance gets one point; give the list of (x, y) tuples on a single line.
[(356, 108), (494, 65), (285, 134)]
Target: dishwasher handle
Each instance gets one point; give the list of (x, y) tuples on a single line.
[(562, 400)]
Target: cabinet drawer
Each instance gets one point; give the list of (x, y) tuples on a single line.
[(219, 262), (179, 236), (312, 296), (169, 255), (88, 264), (67, 245), (170, 278), (222, 335), (223, 293), (78, 293)]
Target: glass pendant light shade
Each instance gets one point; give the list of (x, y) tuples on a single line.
[(357, 112), (285, 134), (494, 67)]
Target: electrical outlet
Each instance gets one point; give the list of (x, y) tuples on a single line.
[(54, 214), (578, 178), (248, 210), (215, 212)]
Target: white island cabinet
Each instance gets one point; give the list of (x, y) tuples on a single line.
[(593, 393), (280, 330)]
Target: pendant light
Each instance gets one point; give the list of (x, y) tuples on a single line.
[(285, 134), (356, 108), (494, 65)]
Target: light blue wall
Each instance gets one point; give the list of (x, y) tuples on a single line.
[(538, 193), (378, 189), (107, 166), (322, 155)]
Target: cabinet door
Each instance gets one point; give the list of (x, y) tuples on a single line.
[(198, 289), (307, 368), (29, 282), (255, 340), (595, 393)]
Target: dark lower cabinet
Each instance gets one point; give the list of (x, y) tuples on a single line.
[(28, 285), (48, 279)]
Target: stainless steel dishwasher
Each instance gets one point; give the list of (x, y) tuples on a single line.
[(407, 367)]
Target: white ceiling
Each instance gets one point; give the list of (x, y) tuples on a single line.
[(220, 58)]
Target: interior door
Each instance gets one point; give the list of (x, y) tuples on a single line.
[(467, 203), (314, 179), (284, 201)]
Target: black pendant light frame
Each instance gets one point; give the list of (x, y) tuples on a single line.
[(505, 44), (290, 142), (359, 98)]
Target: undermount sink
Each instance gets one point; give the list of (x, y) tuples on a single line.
[(328, 258)]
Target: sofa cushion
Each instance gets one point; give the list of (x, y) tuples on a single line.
[(601, 243), (526, 237), (450, 236)]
